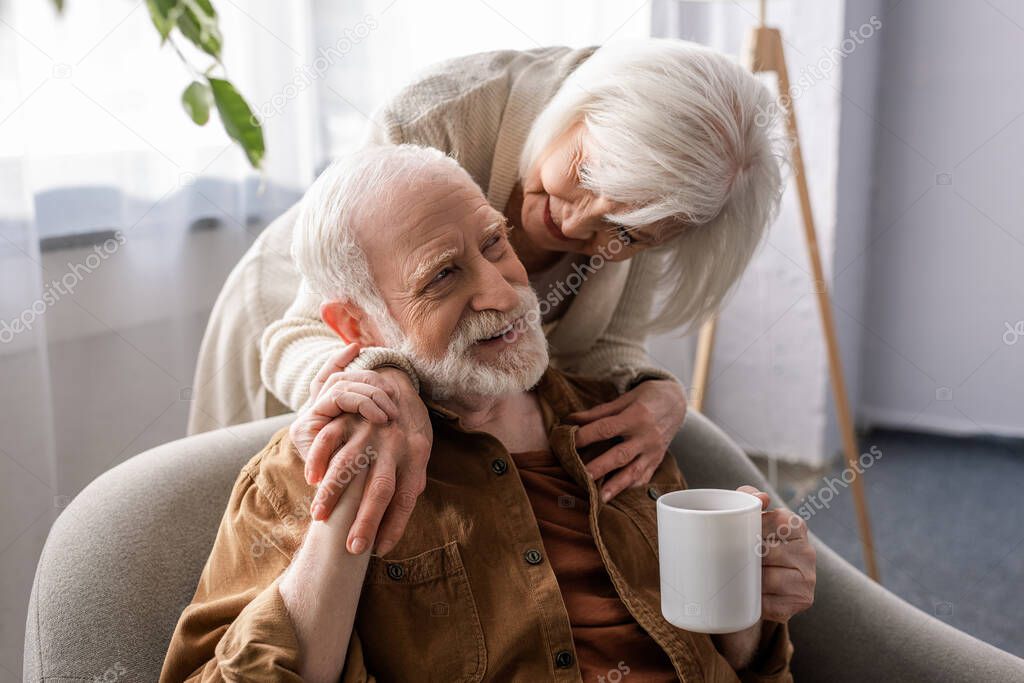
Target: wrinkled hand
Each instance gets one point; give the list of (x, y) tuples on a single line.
[(355, 397), (646, 418), (787, 579), (788, 559), (365, 419)]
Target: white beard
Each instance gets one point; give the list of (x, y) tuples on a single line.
[(458, 375)]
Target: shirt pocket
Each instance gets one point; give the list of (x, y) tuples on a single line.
[(418, 621)]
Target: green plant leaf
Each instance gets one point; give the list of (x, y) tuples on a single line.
[(197, 99), (197, 21), (239, 122), (164, 14)]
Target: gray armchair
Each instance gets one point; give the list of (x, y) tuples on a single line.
[(123, 560)]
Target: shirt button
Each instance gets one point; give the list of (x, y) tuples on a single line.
[(533, 556), (563, 660), (652, 493), (499, 466), (395, 571)]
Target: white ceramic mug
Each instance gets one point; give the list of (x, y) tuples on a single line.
[(708, 542)]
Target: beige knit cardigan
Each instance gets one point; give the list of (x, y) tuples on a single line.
[(258, 359)]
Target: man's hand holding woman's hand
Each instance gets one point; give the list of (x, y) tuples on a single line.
[(379, 422)]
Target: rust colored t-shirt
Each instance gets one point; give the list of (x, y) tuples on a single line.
[(610, 644)]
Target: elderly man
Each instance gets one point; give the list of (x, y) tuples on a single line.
[(511, 567)]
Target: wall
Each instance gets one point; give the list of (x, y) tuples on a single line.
[(858, 126), (946, 280)]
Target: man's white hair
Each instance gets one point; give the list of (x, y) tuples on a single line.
[(349, 192), (691, 142)]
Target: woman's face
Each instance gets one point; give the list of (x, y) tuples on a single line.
[(558, 214)]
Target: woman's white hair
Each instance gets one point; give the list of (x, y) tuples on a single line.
[(352, 190), (691, 143)]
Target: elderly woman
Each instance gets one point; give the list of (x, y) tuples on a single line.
[(625, 171)]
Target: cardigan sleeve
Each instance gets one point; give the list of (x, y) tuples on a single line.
[(294, 348), (620, 353)]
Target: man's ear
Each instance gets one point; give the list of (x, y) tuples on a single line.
[(346, 319)]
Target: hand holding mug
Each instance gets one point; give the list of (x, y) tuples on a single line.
[(726, 563), (787, 560)]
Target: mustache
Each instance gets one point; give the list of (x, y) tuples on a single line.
[(490, 324)]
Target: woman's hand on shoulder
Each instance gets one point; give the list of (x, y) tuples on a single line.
[(646, 419)]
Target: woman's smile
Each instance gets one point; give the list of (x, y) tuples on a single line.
[(550, 224)]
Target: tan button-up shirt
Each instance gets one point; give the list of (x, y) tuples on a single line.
[(467, 594)]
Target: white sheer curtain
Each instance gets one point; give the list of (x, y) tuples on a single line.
[(381, 44), (91, 102), (721, 25), (106, 183), (119, 219)]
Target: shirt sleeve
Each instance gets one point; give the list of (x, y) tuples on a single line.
[(620, 353), (774, 652), (237, 627)]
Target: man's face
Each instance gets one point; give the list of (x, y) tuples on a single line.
[(459, 296)]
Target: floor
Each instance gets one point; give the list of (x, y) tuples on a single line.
[(948, 525)]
